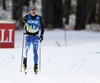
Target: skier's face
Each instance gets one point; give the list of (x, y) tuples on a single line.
[(33, 12)]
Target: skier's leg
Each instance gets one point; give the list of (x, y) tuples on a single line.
[(27, 46), (35, 51)]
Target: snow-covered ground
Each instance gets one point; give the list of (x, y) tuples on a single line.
[(78, 62)]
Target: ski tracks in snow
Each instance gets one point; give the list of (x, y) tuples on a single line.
[(76, 68), (89, 78), (39, 78)]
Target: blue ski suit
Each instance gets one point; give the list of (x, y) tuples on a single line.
[(32, 33), (34, 40)]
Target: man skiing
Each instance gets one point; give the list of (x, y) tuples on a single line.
[(32, 22)]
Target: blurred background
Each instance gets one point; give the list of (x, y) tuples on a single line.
[(71, 14)]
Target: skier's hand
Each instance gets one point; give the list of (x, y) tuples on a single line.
[(41, 38)]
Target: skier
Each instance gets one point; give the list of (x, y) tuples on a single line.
[(32, 22)]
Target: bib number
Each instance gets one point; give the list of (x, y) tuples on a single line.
[(33, 26)]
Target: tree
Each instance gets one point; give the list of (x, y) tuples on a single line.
[(34, 1), (58, 13), (91, 11), (47, 12), (17, 11), (80, 15), (98, 13), (67, 8), (26, 2), (4, 4), (20, 12), (52, 11)]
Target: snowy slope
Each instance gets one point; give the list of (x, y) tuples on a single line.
[(73, 38), (76, 63)]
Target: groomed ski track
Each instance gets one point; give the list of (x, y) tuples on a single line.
[(79, 62)]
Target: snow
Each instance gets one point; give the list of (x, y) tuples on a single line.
[(78, 62)]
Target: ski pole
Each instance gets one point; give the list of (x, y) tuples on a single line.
[(39, 55), (22, 53)]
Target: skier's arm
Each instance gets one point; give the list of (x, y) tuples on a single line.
[(42, 25), (42, 28), (24, 21)]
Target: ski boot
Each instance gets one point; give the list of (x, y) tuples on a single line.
[(35, 68), (25, 65)]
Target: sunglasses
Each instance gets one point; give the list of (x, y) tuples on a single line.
[(33, 9)]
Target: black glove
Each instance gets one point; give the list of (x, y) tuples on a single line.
[(41, 38)]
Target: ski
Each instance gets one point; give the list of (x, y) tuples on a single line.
[(25, 71)]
